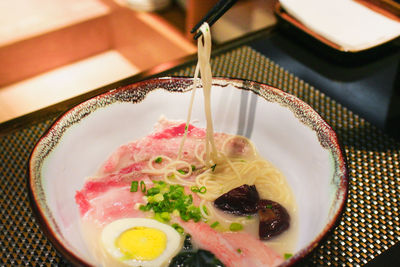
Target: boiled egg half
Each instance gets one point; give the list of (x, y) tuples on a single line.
[(141, 242)]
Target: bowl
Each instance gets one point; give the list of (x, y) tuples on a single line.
[(285, 130)]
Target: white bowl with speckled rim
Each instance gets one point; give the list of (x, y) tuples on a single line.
[(285, 130)]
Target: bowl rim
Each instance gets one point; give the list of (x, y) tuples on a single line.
[(243, 84)]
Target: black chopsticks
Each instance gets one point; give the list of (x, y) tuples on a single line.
[(213, 15)]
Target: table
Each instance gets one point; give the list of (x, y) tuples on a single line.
[(370, 224)]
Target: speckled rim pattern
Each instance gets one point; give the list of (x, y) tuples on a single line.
[(135, 93)]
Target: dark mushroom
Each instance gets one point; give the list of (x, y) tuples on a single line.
[(274, 219), (241, 200)]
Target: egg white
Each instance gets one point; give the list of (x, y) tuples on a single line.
[(113, 230)]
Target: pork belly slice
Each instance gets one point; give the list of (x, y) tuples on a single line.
[(233, 249)]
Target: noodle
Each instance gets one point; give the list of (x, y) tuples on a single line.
[(231, 171)]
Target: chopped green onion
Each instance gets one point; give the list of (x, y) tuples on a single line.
[(153, 191), (165, 199), (194, 189), (182, 171), (165, 216), (205, 210), (269, 206), (185, 217), (235, 227), (186, 127), (145, 207), (202, 190), (178, 228), (175, 212), (157, 216), (134, 186), (158, 160), (215, 224), (193, 168), (213, 167), (239, 250), (249, 217), (142, 186), (287, 256), (155, 198)]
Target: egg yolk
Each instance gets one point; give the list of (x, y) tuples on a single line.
[(142, 243)]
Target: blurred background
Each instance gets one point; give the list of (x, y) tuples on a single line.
[(52, 50)]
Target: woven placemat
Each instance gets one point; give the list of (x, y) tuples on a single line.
[(370, 222)]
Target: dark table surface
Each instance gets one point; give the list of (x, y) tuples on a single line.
[(359, 98)]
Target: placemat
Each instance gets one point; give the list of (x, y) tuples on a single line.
[(370, 222)]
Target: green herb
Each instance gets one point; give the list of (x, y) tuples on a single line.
[(249, 217), (269, 206), (158, 160), (213, 167), (145, 208), (205, 210), (165, 216), (235, 227), (155, 198), (239, 250), (202, 190), (193, 168), (153, 191), (194, 189), (164, 199), (215, 224), (178, 228), (182, 171), (287, 256), (134, 186), (142, 186), (186, 127), (157, 216)]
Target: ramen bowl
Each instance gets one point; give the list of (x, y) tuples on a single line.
[(285, 130)]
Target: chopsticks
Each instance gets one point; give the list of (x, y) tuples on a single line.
[(213, 15)]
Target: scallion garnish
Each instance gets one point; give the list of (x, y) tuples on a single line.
[(182, 171), (194, 189), (205, 210), (215, 224), (269, 206), (239, 250), (158, 160), (153, 191), (178, 228), (202, 190), (134, 186), (193, 168), (235, 227), (165, 216), (287, 256), (164, 199), (142, 186)]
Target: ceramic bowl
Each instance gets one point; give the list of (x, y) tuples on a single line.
[(285, 130)]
